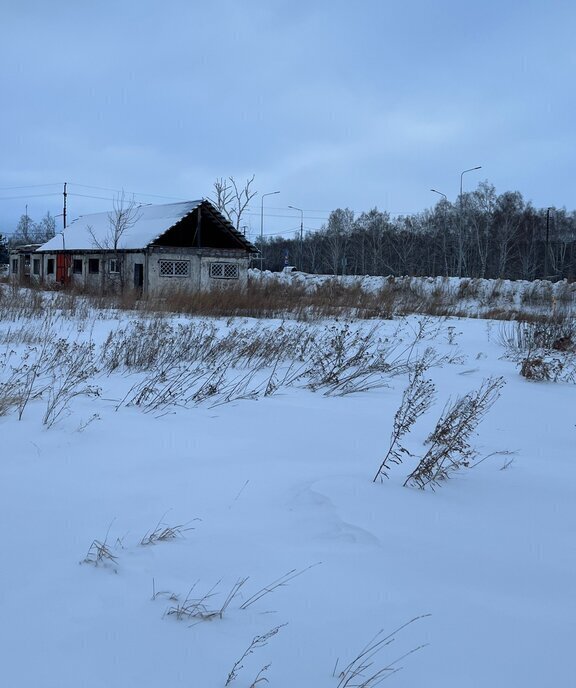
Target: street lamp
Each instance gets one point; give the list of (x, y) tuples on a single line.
[(460, 237), (445, 229), (270, 193), (441, 194), (301, 232), (463, 173)]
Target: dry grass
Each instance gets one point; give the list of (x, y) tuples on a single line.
[(450, 442), (163, 533), (258, 641), (365, 671), (191, 364), (200, 608), (100, 554), (310, 300), (417, 398)]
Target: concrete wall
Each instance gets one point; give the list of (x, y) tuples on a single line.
[(196, 270), (161, 270), (25, 266), (173, 270), (83, 274), (209, 281)]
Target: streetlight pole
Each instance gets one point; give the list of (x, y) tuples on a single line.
[(547, 242), (463, 173), (441, 194), (270, 193), (460, 237), (445, 229), (301, 233)]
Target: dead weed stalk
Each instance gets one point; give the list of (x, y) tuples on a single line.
[(416, 400), (450, 447)]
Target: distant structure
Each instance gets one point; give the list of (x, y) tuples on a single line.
[(150, 248)]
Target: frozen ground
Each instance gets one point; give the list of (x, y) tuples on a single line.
[(277, 484)]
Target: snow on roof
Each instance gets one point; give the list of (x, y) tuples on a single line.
[(95, 231)]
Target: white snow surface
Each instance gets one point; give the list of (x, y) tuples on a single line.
[(90, 232), (283, 483)]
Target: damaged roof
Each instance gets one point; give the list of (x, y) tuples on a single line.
[(145, 225)]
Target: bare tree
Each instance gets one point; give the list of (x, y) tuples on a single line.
[(45, 229), (231, 199), (124, 215), (24, 233), (30, 232), (507, 218), (528, 244), (337, 237)]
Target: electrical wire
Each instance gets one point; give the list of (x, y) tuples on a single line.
[(30, 186), (101, 198), (286, 231), (124, 191), (13, 198)]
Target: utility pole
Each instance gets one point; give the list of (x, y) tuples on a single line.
[(64, 209), (300, 266)]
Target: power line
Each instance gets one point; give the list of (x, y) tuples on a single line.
[(289, 217), (13, 198), (30, 186), (101, 198), (318, 215), (286, 231), (125, 191)]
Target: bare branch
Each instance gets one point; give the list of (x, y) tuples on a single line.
[(231, 199)]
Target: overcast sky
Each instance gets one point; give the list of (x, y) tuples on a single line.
[(334, 104)]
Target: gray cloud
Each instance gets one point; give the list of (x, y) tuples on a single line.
[(334, 103)]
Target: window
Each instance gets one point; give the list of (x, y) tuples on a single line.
[(50, 266), (93, 266), (114, 266), (36, 266), (224, 271), (174, 268), (14, 266), (77, 266)]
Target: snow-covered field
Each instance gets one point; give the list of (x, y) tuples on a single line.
[(275, 477)]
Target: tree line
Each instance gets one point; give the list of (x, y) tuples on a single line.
[(482, 234), (28, 231)]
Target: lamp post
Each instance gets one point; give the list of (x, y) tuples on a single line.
[(270, 193), (445, 229), (547, 247), (441, 194), (460, 238), (463, 173), (301, 233)]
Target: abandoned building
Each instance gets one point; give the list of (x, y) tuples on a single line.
[(153, 248)]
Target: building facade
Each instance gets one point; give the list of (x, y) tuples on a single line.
[(154, 249)]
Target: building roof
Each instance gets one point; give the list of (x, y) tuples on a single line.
[(148, 223)]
